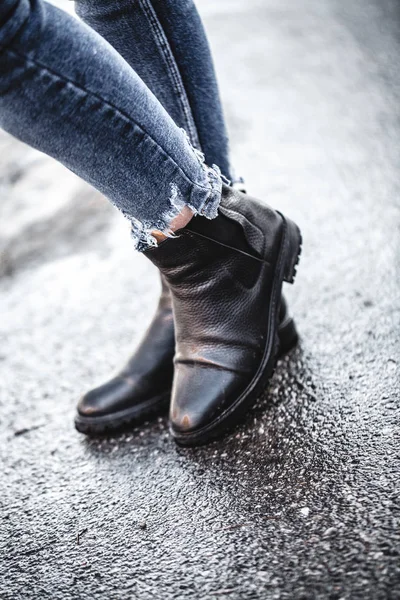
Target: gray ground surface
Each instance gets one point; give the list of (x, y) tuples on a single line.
[(300, 502)]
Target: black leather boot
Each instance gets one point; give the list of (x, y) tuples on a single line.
[(225, 276), (142, 389)]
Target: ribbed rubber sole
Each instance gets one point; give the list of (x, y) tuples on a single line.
[(120, 420)]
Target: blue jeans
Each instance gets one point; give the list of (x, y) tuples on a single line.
[(164, 41), (66, 91)]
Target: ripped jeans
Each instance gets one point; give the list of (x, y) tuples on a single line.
[(135, 118)]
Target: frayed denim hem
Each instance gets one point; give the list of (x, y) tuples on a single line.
[(204, 200)]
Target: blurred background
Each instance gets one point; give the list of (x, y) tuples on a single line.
[(302, 502)]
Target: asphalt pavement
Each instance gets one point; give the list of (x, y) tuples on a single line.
[(302, 500)]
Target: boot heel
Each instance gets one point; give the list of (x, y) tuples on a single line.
[(293, 250)]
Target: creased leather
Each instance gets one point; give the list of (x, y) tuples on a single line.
[(149, 371), (221, 291)]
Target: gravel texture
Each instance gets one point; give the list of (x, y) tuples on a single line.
[(301, 501)]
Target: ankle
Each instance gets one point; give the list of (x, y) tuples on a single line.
[(180, 221)]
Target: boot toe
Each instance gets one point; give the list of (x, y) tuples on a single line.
[(105, 399), (200, 395)]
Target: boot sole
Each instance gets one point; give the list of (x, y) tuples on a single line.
[(124, 418), (289, 257)]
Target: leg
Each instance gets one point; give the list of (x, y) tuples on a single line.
[(67, 92), (165, 42), (225, 278)]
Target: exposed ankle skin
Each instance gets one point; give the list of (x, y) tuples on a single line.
[(180, 221)]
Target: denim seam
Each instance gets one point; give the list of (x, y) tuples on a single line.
[(11, 18), (173, 69), (38, 65)]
